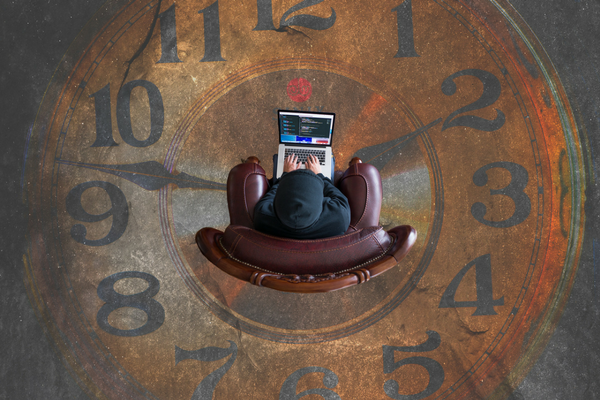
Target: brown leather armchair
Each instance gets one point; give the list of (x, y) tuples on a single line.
[(309, 266)]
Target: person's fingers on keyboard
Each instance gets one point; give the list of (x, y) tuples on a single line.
[(291, 163), (313, 164)]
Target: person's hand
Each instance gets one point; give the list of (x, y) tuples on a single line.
[(291, 163), (312, 164)]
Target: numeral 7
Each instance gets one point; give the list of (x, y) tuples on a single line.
[(206, 388)]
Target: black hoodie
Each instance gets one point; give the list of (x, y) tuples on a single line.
[(302, 205)]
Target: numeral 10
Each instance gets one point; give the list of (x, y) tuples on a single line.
[(264, 11)]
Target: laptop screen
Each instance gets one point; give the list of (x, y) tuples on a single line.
[(306, 128)]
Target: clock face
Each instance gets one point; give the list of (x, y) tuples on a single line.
[(453, 101)]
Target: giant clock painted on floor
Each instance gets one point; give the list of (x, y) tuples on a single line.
[(454, 101)]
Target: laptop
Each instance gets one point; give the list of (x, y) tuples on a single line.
[(303, 133)]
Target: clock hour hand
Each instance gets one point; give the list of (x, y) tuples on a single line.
[(380, 154), (150, 175)]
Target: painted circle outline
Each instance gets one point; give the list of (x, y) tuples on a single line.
[(197, 110)]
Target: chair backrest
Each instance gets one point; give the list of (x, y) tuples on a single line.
[(305, 265)]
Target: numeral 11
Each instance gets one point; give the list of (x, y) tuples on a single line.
[(212, 35)]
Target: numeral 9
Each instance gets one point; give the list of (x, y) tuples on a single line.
[(119, 211)]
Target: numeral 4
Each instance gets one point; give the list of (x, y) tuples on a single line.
[(485, 302)]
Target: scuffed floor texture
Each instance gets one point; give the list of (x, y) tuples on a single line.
[(34, 37)]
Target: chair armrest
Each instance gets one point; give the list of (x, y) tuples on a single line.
[(246, 184)]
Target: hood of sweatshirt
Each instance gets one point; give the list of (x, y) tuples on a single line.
[(298, 202)]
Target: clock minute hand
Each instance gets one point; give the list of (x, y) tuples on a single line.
[(380, 154), (150, 175)]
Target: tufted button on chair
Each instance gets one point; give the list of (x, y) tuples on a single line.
[(309, 266)]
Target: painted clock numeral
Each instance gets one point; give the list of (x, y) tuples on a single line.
[(206, 388), (515, 190), (485, 302), (265, 16), (406, 39), (143, 301), (289, 387), (119, 211), (491, 92), (434, 369), (168, 36), (104, 133), (212, 33)]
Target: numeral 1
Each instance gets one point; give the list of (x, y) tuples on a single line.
[(212, 33), (104, 134), (168, 36), (406, 40), (264, 10)]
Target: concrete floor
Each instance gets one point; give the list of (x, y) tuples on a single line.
[(35, 35)]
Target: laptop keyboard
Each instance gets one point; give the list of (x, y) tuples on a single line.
[(303, 154)]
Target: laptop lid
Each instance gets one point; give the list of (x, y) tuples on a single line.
[(305, 128)]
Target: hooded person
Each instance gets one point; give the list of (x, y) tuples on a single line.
[(302, 204)]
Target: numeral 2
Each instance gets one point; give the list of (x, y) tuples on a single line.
[(264, 10), (491, 93)]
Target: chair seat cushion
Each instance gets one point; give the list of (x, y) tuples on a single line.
[(315, 257)]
